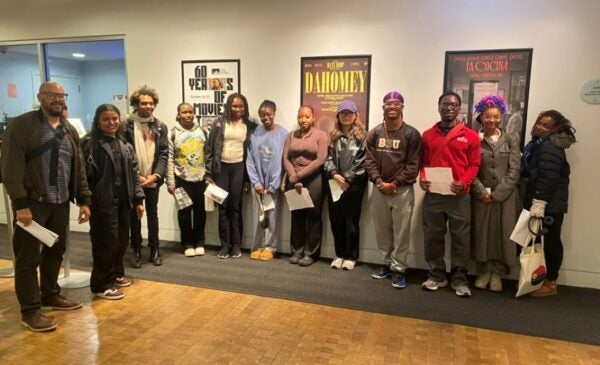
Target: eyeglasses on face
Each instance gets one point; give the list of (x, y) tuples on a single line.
[(56, 96), (393, 104)]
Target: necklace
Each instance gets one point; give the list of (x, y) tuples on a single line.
[(387, 132)]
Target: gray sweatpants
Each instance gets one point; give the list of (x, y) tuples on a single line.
[(392, 217), (266, 238)]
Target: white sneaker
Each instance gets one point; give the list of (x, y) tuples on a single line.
[(199, 251), (110, 294), (337, 263), (433, 285), (348, 264), (189, 252), (462, 290)]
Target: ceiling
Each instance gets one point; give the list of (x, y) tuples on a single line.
[(93, 50)]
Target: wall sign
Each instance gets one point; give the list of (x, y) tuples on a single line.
[(590, 92)]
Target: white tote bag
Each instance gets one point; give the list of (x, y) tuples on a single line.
[(533, 267)]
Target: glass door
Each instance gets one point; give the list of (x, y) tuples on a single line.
[(92, 73)]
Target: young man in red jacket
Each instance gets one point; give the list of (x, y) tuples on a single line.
[(449, 143)]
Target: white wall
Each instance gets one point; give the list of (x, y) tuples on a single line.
[(407, 40)]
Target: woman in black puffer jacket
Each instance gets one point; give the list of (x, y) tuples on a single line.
[(546, 173)]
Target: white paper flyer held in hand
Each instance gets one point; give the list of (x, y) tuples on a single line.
[(267, 202), (298, 201), (215, 193), (182, 199), (336, 191), (43, 234), (440, 179)]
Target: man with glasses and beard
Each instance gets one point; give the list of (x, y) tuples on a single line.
[(42, 169)]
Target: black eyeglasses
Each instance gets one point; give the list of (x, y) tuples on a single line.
[(56, 96)]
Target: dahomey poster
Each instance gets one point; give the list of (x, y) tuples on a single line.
[(327, 81)]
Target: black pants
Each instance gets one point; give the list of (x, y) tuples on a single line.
[(344, 216), (151, 207), (231, 179), (553, 247), (28, 257), (193, 218), (307, 224), (109, 233)]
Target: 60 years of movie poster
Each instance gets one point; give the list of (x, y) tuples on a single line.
[(207, 84), (327, 81)]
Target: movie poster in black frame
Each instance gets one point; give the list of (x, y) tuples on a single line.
[(504, 72)]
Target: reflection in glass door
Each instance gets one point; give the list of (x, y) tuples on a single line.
[(92, 73), (19, 81)]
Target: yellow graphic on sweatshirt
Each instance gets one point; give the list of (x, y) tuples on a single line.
[(191, 155)]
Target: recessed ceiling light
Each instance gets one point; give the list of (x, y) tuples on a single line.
[(78, 55)]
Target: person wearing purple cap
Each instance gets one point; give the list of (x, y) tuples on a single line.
[(345, 165), (393, 152)]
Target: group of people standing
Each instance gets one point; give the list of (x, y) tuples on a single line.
[(116, 171)]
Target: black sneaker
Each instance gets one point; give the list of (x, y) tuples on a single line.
[(223, 253), (236, 253)]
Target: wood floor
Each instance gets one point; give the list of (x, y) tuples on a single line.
[(160, 323)]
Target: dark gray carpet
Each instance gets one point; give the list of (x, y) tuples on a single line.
[(572, 315)]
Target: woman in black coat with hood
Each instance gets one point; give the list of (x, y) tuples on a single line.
[(545, 172)]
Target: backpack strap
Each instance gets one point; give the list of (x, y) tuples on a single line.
[(442, 146), (40, 149), (48, 144)]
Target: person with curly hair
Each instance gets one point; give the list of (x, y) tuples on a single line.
[(545, 175), (495, 198), (149, 137)]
